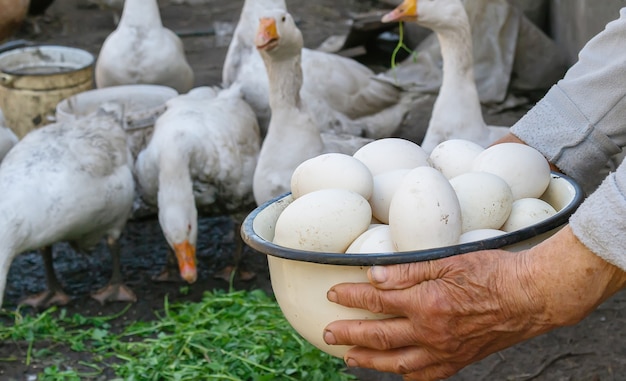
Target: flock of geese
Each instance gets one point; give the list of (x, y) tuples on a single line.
[(216, 149)]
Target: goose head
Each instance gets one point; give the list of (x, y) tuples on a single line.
[(278, 36), (433, 14), (180, 228), (250, 13)]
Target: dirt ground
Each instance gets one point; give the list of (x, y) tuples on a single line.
[(594, 350)]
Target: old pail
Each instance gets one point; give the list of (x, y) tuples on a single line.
[(34, 79)]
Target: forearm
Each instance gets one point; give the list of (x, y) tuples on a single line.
[(567, 279)]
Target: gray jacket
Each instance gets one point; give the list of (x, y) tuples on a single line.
[(580, 126)]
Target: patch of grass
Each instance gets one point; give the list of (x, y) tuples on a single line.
[(235, 335)]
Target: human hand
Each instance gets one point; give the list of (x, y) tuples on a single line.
[(455, 311), (508, 138)]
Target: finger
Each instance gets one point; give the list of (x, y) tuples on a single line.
[(395, 277), (365, 296), (414, 362), (508, 138), (434, 372), (391, 302), (375, 334), (407, 360)]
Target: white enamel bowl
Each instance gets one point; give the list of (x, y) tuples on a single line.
[(300, 279)]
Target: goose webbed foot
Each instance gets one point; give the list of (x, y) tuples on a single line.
[(168, 274), (46, 299), (239, 265), (246, 275), (240, 274), (54, 294), (114, 292)]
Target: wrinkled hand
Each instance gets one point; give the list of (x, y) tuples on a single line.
[(452, 312), (508, 138), (455, 311)]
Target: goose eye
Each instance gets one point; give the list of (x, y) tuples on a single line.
[(283, 19)]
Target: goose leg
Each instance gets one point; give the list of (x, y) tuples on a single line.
[(170, 272), (115, 290), (54, 295), (238, 266)]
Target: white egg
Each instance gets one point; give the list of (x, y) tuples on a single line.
[(454, 157), (479, 235), (485, 200), (526, 212), (424, 212), (375, 240), (331, 170), (326, 220), (385, 185), (387, 154), (524, 168)]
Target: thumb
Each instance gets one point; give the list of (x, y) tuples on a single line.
[(397, 277)]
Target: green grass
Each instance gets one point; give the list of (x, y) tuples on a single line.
[(236, 335), (400, 46)]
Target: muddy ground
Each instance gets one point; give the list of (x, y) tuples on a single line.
[(594, 350)]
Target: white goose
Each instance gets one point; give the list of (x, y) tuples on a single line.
[(201, 158), (344, 95), (67, 182), (142, 51), (292, 136), (457, 111)]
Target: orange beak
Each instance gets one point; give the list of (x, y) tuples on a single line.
[(267, 34), (407, 11), (186, 256)]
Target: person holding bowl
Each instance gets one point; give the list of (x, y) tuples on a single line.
[(455, 311)]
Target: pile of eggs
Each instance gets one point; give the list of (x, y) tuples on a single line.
[(391, 196)]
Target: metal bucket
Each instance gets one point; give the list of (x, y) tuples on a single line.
[(34, 79)]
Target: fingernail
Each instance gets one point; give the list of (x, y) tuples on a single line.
[(378, 274), (351, 363), (332, 296), (329, 338)]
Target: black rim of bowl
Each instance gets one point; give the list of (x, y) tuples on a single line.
[(256, 242)]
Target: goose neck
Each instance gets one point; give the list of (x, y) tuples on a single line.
[(141, 13), (174, 173), (285, 82), (458, 56), (175, 184)]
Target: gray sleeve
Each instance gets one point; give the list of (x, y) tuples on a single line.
[(581, 122), (580, 125), (600, 222)]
